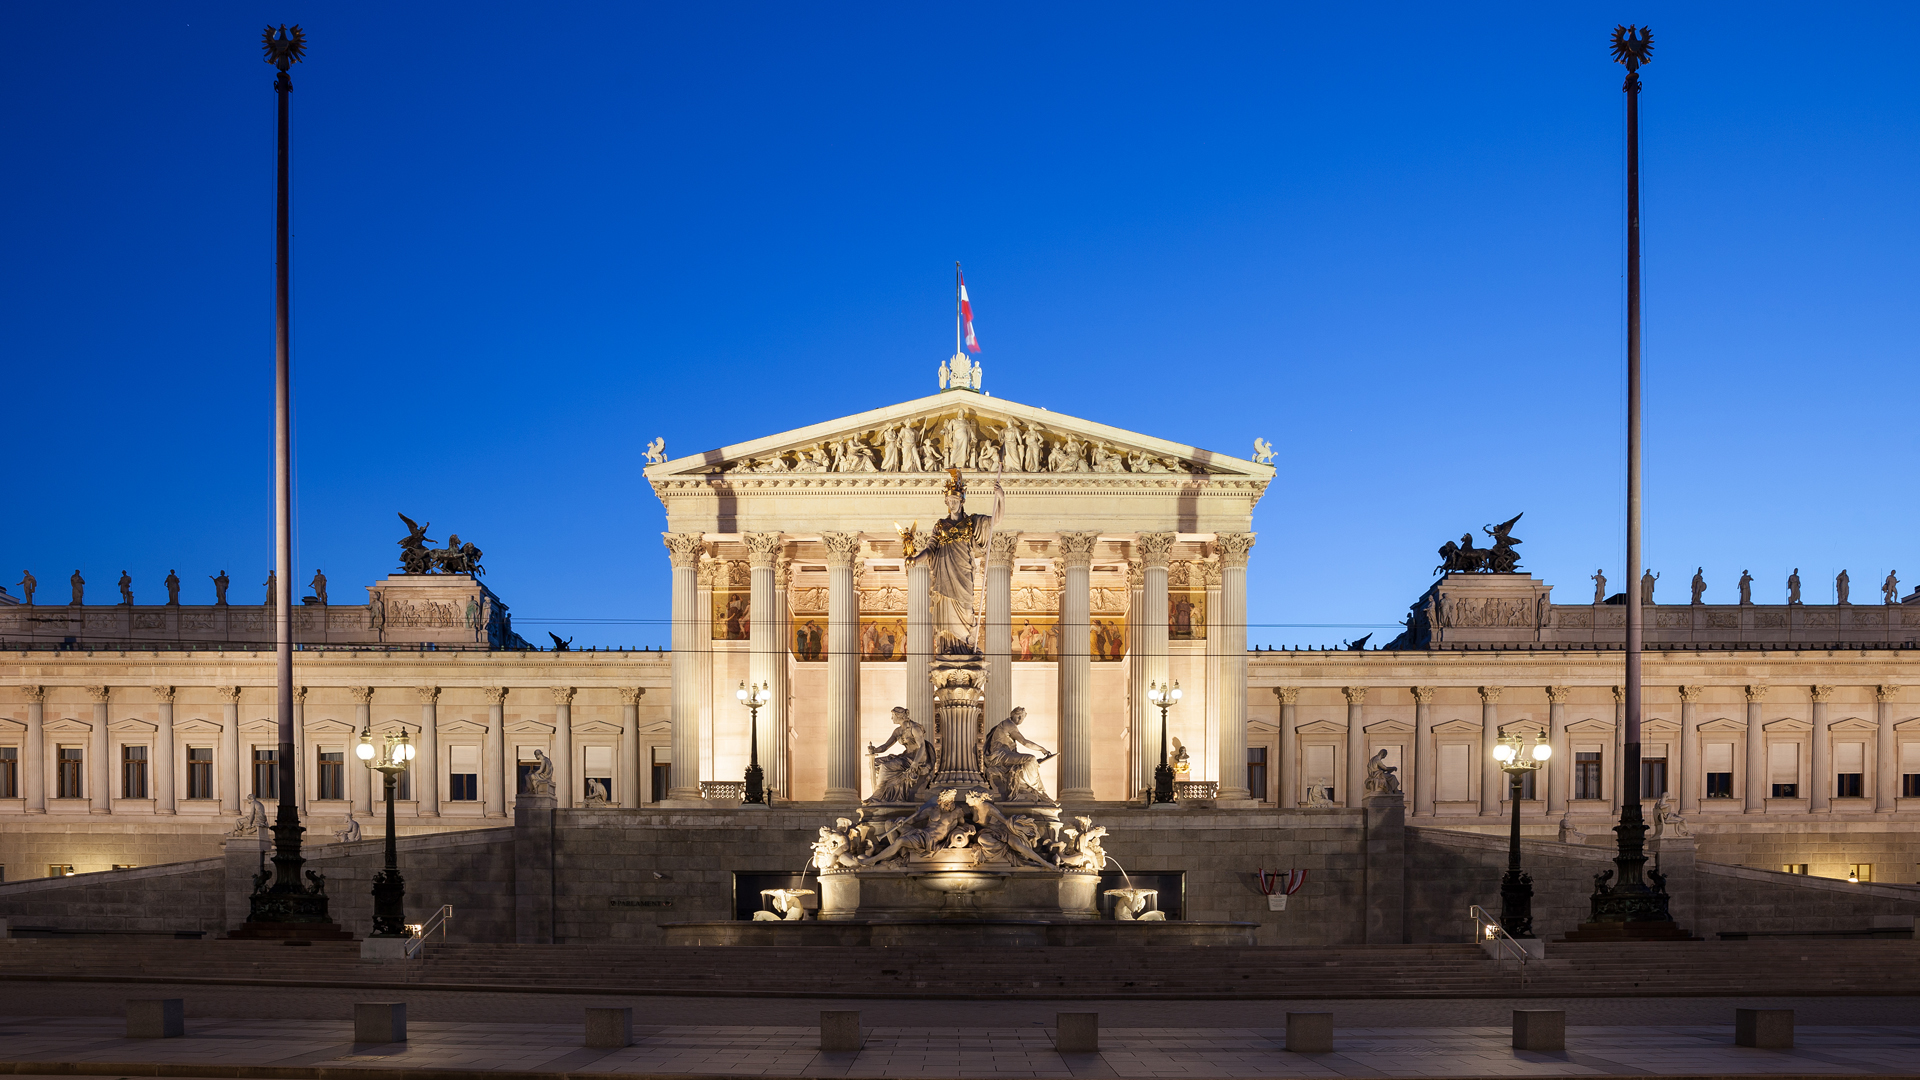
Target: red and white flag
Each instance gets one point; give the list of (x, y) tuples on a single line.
[(966, 315)]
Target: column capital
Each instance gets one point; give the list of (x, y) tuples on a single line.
[(1885, 692), (1756, 693), (712, 571), (1207, 570), (842, 549), (1002, 548), (1422, 695), (1820, 693), (783, 574), (1619, 695), (1490, 695), (1557, 695), (496, 695), (631, 695), (427, 694), (1356, 695), (1136, 574), (763, 548), (299, 695), (34, 693), (1154, 549), (361, 694), (99, 693), (231, 693), (162, 694), (684, 549), (1233, 547), (1288, 695), (1076, 548), (1690, 694), (562, 695)]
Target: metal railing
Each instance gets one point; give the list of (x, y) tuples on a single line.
[(1487, 928), (421, 931)]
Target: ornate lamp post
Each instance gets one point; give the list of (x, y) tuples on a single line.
[(753, 697), (389, 890), (1163, 696), (1516, 886)]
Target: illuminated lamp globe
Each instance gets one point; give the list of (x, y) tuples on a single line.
[(1503, 752)]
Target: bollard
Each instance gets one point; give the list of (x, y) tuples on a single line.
[(610, 1027), (1539, 1029), (1076, 1033), (1310, 1033), (1766, 1029), (840, 1031), (379, 1021), (155, 1018)]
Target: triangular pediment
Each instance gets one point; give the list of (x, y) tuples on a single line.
[(1853, 723), (197, 726), (1908, 725), (595, 727), (67, 724), (1786, 724), (664, 727), (1321, 727), (1723, 723), (811, 451), (1389, 727), (528, 727), (129, 724), (461, 727), (1592, 726), (1261, 727), (1457, 727), (329, 724)]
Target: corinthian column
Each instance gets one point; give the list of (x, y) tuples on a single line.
[(1139, 713), (778, 715), (1756, 791), (920, 633), (684, 551), (1559, 769), (235, 769), (1819, 767), (996, 636), (1492, 780), (359, 776), (1689, 754), (1886, 753), (565, 788), (1356, 784), (426, 767), (1149, 650), (164, 799), (494, 768), (1288, 792), (843, 670), (99, 773), (1423, 753), (1234, 549), (1075, 666), (627, 773), (33, 770), (769, 641)]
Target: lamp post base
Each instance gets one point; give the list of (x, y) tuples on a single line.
[(1516, 904), (1163, 784), (282, 931), (1629, 931)]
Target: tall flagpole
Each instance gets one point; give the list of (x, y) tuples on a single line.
[(956, 308)]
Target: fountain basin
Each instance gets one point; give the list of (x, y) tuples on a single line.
[(961, 933), (914, 893)]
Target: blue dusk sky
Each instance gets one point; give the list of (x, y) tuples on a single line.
[(1387, 238)]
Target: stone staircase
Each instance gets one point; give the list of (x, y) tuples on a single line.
[(1693, 968)]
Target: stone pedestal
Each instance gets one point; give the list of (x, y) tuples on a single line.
[(840, 1031), (1310, 1033), (533, 869), (1765, 1029), (156, 1018), (610, 1028), (1540, 1030), (1490, 608), (959, 696), (1076, 1033), (1386, 869)]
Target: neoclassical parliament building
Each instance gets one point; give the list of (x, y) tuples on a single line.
[(1787, 736)]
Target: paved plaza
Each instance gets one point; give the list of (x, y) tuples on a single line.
[(308, 1033)]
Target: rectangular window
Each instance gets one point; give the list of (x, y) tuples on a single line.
[(1860, 871), (1257, 772), (266, 777), (1783, 770), (1719, 766), (72, 767), (463, 781), (1526, 786), (1850, 769), (1586, 775), (333, 774), (1653, 777), (599, 771), (403, 785), (133, 772), (1910, 770), (1319, 768), (60, 869), (662, 757), (9, 772), (1793, 868), (1453, 773), (200, 772)]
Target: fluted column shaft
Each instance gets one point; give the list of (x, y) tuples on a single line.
[(627, 773), (1560, 765), (1150, 649), (1139, 713), (494, 767), (843, 670), (1492, 780), (235, 786), (165, 801), (1756, 786), (1689, 775), (777, 717), (359, 776), (1423, 752), (1075, 667), (1820, 763), (1288, 792), (33, 770), (426, 761), (768, 645), (684, 551), (1886, 755), (996, 632), (703, 666), (1356, 781), (1235, 549), (920, 635), (565, 786), (99, 747)]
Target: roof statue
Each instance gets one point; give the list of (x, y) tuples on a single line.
[(417, 558), (1500, 558), (959, 373)]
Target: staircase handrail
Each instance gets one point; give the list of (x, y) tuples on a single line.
[(1487, 928), (438, 922)]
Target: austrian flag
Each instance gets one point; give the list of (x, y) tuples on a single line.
[(966, 315)]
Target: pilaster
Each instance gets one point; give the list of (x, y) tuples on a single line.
[(233, 771), (1287, 793), (99, 747), (1886, 753), (497, 775), (33, 770), (165, 801), (426, 766), (1492, 780), (1690, 773), (920, 634), (1559, 768), (1755, 788), (627, 778), (359, 776), (1423, 771), (565, 786), (1356, 782), (1820, 761)]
